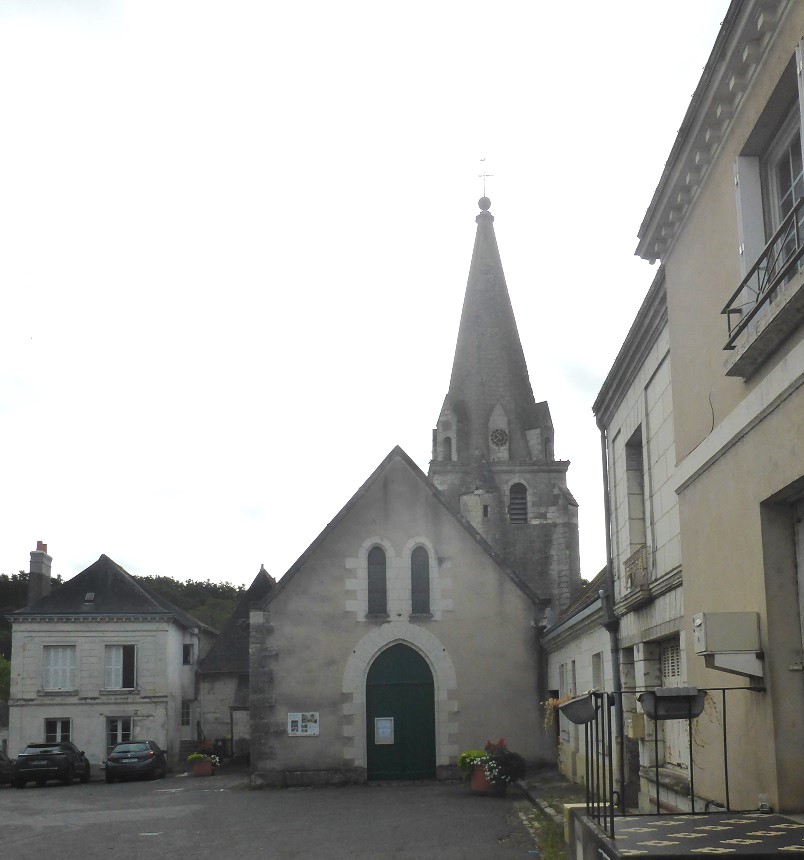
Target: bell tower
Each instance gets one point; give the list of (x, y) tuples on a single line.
[(493, 444)]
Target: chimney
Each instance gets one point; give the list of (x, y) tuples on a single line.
[(39, 577)]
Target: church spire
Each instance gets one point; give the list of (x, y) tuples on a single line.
[(493, 455), (490, 383)]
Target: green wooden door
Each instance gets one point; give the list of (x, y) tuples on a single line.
[(400, 716)]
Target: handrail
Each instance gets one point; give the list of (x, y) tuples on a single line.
[(602, 801), (770, 270)]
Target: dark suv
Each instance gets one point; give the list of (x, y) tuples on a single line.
[(40, 762)]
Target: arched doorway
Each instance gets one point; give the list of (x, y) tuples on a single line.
[(400, 716)]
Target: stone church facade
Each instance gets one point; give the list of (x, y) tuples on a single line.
[(409, 630)]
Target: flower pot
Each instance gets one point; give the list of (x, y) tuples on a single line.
[(580, 710), (203, 767), (673, 703), (479, 783)]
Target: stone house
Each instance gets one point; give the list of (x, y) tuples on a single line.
[(101, 659), (223, 701)]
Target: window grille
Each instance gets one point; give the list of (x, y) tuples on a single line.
[(671, 660), (518, 504)]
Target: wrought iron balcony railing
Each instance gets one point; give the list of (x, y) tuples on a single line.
[(777, 262)]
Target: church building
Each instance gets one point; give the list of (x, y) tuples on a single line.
[(409, 630)]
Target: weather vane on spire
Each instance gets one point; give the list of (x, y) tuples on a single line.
[(484, 176)]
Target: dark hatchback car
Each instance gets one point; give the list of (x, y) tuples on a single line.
[(6, 769), (134, 760), (42, 762)]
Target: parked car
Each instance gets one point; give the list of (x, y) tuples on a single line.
[(136, 759), (41, 762), (6, 769)]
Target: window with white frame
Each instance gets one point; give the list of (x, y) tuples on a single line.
[(118, 731), (770, 182), (59, 667), (121, 667), (57, 730), (186, 713)]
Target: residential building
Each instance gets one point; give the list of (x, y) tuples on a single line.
[(727, 223), (102, 659)]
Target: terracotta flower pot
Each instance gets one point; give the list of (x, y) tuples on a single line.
[(203, 767), (479, 783)]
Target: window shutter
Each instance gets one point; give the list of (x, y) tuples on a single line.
[(114, 667)]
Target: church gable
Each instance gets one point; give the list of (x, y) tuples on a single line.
[(395, 567), (394, 521)]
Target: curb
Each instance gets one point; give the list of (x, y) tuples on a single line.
[(543, 807)]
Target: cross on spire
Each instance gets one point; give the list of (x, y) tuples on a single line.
[(484, 176)]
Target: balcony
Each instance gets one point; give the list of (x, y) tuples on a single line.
[(769, 303)]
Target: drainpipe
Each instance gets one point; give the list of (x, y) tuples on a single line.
[(610, 621)]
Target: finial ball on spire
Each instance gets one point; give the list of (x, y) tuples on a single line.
[(484, 203)]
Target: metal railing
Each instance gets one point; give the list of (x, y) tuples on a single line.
[(597, 717), (779, 259)]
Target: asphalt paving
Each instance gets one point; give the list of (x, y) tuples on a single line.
[(221, 817)]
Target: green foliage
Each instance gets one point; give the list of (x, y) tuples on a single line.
[(469, 758), (210, 602), (5, 679)]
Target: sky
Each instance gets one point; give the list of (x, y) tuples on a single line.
[(235, 237)]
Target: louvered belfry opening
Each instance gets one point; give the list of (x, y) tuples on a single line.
[(518, 504)]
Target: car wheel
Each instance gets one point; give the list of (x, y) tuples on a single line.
[(19, 782), (109, 777), (86, 773), (68, 776)]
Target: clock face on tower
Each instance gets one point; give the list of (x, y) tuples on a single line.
[(498, 437)]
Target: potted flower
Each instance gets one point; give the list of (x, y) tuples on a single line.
[(203, 764), (492, 770)]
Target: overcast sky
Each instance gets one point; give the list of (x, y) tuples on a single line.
[(235, 237)]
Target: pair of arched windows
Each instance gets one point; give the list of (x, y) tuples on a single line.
[(378, 581)]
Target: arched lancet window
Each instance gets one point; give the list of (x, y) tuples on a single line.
[(518, 504), (377, 591), (447, 448), (420, 581)]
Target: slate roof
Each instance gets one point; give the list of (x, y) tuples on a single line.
[(229, 652), (489, 366), (114, 592), (430, 487)]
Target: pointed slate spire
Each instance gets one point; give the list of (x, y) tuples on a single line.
[(489, 373)]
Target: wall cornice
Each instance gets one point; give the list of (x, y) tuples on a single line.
[(744, 39)]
